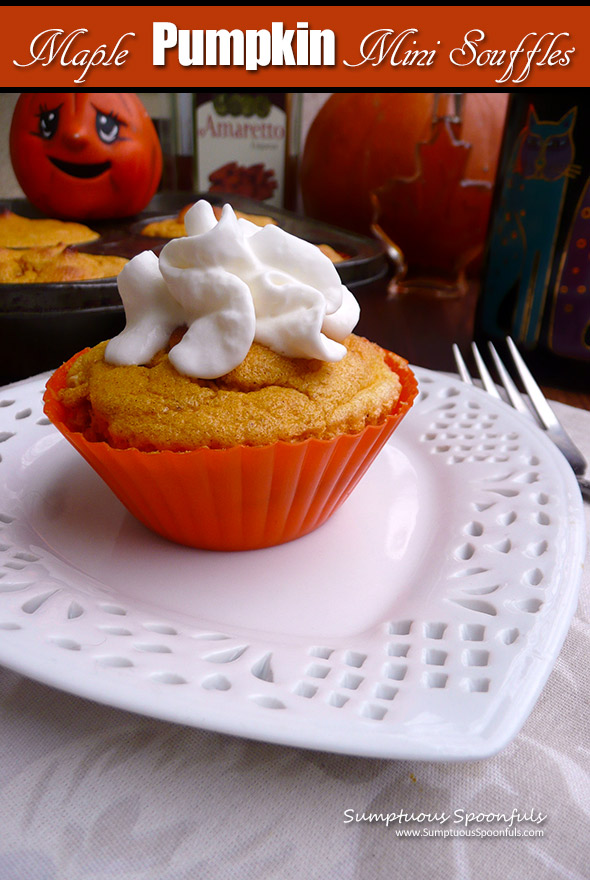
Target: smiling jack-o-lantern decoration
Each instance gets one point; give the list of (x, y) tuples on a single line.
[(85, 155)]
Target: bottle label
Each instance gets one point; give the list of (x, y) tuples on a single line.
[(241, 142)]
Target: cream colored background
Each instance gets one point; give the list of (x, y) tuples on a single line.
[(155, 104), (9, 187)]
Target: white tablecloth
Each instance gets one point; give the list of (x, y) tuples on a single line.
[(93, 793)]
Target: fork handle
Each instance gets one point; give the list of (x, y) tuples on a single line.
[(584, 485)]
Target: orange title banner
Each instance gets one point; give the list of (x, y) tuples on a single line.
[(294, 47)]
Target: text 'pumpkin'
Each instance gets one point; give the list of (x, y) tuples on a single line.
[(85, 155)]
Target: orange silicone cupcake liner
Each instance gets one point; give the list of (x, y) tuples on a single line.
[(242, 498)]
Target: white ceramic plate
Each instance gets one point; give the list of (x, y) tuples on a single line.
[(420, 622)]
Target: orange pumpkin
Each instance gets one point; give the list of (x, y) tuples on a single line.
[(359, 143), (85, 155)]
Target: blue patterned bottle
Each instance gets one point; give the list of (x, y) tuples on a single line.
[(536, 278)]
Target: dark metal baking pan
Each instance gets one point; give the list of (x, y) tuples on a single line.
[(365, 258), (41, 325)]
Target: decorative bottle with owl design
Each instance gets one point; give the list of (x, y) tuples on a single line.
[(536, 277)]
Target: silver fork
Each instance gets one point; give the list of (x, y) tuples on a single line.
[(539, 410)]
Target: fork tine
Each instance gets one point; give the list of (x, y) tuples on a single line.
[(542, 408), (546, 415), (461, 365), (488, 382), (539, 410), (514, 395)]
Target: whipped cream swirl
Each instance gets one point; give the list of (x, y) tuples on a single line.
[(231, 283)]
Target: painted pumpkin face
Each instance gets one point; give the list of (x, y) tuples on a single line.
[(85, 155)]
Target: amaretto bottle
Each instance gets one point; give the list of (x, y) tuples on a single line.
[(247, 143)]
